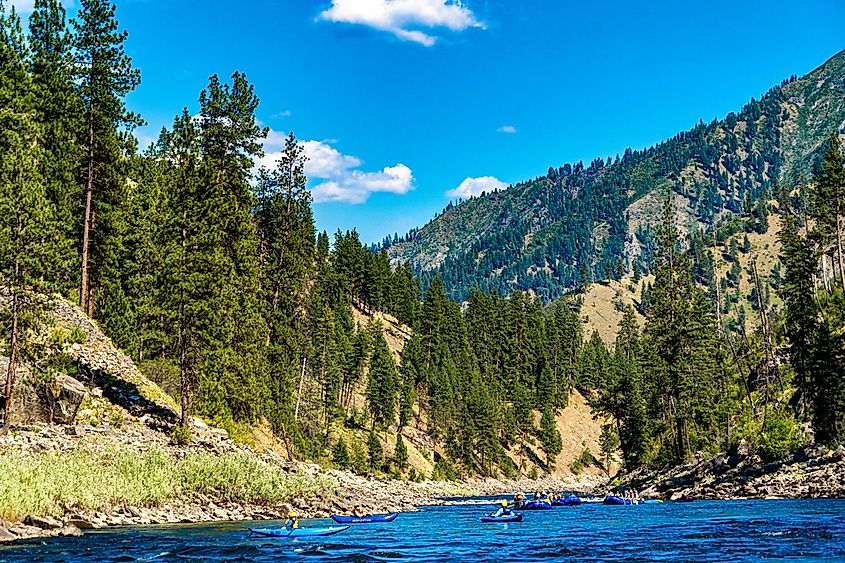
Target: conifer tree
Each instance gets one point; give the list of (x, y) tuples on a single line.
[(382, 380), (828, 210), (340, 454), (58, 113), (679, 337), (550, 440), (104, 76), (375, 452), (28, 229), (400, 454)]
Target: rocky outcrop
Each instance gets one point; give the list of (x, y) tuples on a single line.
[(97, 364), (36, 527), (64, 396), (811, 473)]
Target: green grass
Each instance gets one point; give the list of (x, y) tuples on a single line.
[(45, 484)]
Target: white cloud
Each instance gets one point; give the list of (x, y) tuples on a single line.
[(404, 18), (278, 115), (474, 187), (334, 175), (506, 129), (26, 6)]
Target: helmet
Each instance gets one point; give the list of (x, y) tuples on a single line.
[(504, 503), (357, 505), (292, 514)]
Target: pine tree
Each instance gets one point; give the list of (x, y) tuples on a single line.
[(608, 442), (679, 341), (400, 454), (58, 113), (828, 210), (104, 76), (550, 440), (382, 379), (375, 452), (340, 454), (800, 309), (28, 229)]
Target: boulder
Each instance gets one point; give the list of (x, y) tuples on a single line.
[(64, 396), (43, 522), (6, 536), (82, 524), (69, 531)]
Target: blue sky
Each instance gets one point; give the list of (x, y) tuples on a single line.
[(402, 102)]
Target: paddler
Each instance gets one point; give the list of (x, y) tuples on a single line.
[(504, 510), (357, 512), (293, 521)]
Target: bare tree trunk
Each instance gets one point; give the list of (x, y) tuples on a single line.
[(13, 355), (299, 392), (839, 249), (86, 225), (184, 373)]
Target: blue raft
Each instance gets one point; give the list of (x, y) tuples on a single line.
[(372, 518), (567, 501), (614, 500), (535, 505), (296, 532), (515, 517)]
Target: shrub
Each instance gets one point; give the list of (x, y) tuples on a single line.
[(181, 435), (444, 471), (340, 454), (780, 437)]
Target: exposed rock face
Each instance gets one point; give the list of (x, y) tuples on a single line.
[(64, 396), (98, 364), (810, 473)]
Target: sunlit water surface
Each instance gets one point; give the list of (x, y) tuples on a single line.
[(794, 530)]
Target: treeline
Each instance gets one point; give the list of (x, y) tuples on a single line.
[(212, 277), (579, 213), (693, 380)]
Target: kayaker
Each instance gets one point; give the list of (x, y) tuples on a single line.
[(293, 521), (357, 512), (504, 510)]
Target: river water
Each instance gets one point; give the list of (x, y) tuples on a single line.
[(795, 530)]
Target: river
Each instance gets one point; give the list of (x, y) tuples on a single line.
[(797, 530)]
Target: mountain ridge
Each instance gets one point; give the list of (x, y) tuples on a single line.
[(581, 223)]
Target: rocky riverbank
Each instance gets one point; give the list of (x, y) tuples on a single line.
[(324, 491), (812, 472)]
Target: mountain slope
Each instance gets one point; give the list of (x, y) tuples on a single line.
[(586, 222)]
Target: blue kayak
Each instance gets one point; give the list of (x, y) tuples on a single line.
[(296, 532), (567, 501), (535, 505), (515, 517), (365, 519), (614, 500)]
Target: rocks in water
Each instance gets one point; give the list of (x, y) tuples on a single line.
[(82, 524), (6, 536)]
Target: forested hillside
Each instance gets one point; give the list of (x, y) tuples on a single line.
[(584, 222), (213, 279)]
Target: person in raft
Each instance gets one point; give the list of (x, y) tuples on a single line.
[(293, 521), (504, 510), (357, 512)]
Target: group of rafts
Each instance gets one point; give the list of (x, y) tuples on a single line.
[(506, 513)]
